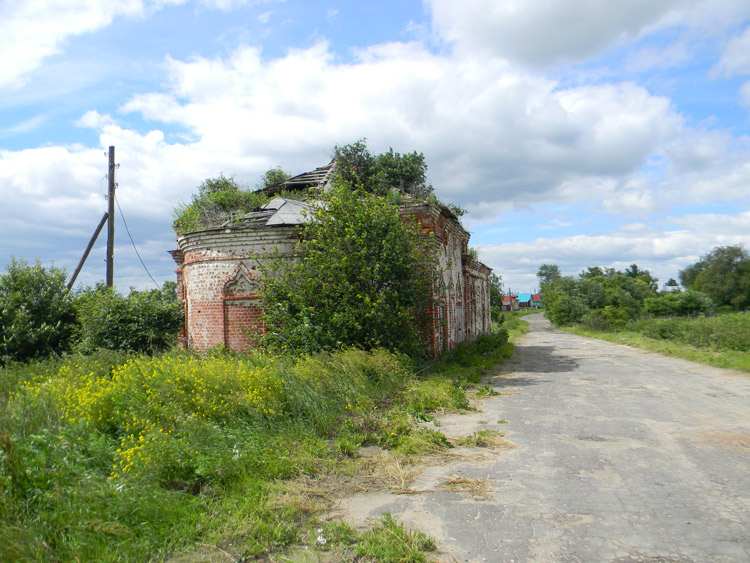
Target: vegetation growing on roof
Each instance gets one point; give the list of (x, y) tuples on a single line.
[(221, 199), (399, 177)]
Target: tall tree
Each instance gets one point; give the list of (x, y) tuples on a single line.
[(363, 278), (381, 173), (548, 273), (723, 274)]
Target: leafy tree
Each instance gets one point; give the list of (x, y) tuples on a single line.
[(379, 174), (548, 273), (633, 271), (600, 301), (723, 274), (36, 311), (678, 304), (363, 278), (273, 177), (563, 302), (592, 272), (144, 321), (496, 297)]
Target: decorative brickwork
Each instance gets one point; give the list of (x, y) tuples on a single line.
[(218, 281)]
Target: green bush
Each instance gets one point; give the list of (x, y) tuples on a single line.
[(364, 278), (678, 304), (36, 312), (144, 321), (722, 332), (218, 200)]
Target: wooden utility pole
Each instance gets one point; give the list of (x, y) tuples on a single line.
[(86, 252), (111, 220)]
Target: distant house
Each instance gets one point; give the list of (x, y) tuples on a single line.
[(536, 300), (524, 301), (510, 303)]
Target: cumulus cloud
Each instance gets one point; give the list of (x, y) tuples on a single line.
[(497, 133), (736, 56), (540, 34), (32, 30), (491, 132), (561, 29), (664, 248)]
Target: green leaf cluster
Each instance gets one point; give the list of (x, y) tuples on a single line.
[(603, 302), (723, 274), (380, 174), (219, 200), (363, 277), (36, 311), (144, 321)]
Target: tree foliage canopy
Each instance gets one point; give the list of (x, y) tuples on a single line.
[(363, 278), (144, 321), (36, 311), (220, 199), (378, 174), (598, 297), (724, 274), (547, 273), (603, 298)]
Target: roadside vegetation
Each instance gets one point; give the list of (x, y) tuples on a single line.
[(706, 321), (111, 457), (114, 446)]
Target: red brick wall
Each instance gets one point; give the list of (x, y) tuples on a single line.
[(218, 272)]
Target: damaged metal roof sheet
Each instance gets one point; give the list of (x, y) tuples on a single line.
[(278, 211), (317, 178)]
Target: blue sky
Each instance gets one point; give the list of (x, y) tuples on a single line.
[(574, 132)]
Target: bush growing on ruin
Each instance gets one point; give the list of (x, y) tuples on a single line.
[(363, 278)]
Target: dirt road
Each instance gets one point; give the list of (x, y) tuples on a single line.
[(622, 456)]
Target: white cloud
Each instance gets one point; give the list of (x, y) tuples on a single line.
[(491, 133), (32, 30), (542, 33), (736, 56), (745, 94), (24, 126), (659, 248)]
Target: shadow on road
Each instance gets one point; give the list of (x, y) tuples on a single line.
[(541, 359)]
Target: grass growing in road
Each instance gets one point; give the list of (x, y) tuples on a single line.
[(115, 458)]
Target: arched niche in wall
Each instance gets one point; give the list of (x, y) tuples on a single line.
[(242, 310)]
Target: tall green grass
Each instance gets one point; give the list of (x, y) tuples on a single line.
[(111, 457), (723, 332), (722, 341)]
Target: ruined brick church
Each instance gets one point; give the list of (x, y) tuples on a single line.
[(219, 282)]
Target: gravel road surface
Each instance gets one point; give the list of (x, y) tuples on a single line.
[(621, 455)]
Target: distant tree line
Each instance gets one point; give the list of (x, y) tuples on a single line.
[(604, 298)]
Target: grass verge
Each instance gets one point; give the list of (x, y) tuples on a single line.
[(114, 458), (729, 359)]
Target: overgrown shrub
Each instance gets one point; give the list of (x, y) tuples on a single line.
[(218, 200), (678, 304), (363, 278), (144, 321), (36, 312), (722, 332)]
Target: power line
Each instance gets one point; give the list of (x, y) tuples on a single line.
[(117, 201)]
